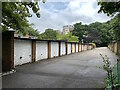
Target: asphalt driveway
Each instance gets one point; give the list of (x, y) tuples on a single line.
[(80, 70)]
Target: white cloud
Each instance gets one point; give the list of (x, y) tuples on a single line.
[(74, 11)]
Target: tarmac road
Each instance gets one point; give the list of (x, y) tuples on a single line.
[(79, 70)]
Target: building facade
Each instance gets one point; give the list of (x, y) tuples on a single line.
[(67, 29)]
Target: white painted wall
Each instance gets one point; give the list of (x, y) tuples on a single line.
[(69, 48), (77, 47), (82, 47), (41, 50), (63, 48), (54, 49), (85, 47), (73, 48), (22, 52)]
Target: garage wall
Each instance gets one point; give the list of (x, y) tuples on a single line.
[(69, 48), (54, 49), (85, 47), (63, 48), (82, 48), (41, 50), (22, 52), (73, 48), (115, 48), (79, 47), (76, 47)]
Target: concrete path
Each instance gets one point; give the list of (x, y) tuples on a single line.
[(80, 70)]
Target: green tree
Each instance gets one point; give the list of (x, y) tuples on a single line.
[(68, 37), (49, 34), (80, 30), (99, 33), (14, 14), (111, 9), (28, 30)]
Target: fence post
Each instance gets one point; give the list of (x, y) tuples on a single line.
[(7, 51), (49, 49), (66, 45), (33, 50)]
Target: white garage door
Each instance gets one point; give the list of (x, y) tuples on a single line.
[(22, 52), (77, 47), (69, 48), (54, 49), (41, 50), (63, 49), (73, 48)]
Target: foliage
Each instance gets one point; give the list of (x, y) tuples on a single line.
[(80, 30), (111, 77), (49, 34), (28, 30), (115, 26), (14, 14), (110, 8), (99, 33), (107, 63), (69, 37)]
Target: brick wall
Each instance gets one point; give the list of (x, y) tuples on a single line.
[(115, 47), (7, 51)]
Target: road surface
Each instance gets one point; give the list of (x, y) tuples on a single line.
[(79, 70)]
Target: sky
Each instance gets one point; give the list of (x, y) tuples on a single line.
[(57, 13)]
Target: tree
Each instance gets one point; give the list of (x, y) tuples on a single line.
[(80, 30), (14, 14), (49, 34), (99, 33), (111, 9), (68, 37), (28, 30)]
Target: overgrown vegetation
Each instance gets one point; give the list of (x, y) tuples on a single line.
[(99, 33), (112, 9), (15, 14), (69, 37), (112, 79), (51, 34)]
